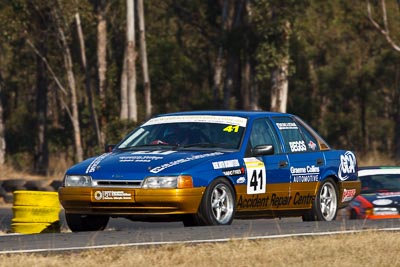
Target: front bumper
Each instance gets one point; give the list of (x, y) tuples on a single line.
[(126, 201), (378, 217)]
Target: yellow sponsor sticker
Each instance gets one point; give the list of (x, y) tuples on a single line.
[(256, 176)]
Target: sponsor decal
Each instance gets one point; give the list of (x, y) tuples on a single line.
[(226, 164), (253, 202), (348, 194), (305, 174), (347, 165), (241, 180), (274, 201), (297, 146), (155, 152), (234, 172), (312, 145), (286, 126), (184, 160), (228, 120), (382, 202), (94, 165), (388, 194), (139, 158), (300, 199), (256, 176), (277, 201), (112, 195)]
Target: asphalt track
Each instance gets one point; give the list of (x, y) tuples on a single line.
[(123, 232)]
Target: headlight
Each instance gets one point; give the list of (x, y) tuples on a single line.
[(386, 211), (182, 181), (77, 180)]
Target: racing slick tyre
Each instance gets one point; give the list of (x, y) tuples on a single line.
[(353, 215), (11, 185), (81, 222), (325, 205), (217, 206)]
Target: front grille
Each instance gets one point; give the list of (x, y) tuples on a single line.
[(130, 184)]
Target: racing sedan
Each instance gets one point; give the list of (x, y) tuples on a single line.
[(209, 167), (380, 194)]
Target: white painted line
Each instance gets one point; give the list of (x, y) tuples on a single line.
[(194, 241)]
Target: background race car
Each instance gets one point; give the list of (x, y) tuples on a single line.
[(380, 194)]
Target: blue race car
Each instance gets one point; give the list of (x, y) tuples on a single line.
[(209, 167)]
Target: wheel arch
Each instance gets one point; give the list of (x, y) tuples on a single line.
[(229, 179), (332, 176)]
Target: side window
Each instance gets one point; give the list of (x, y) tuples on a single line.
[(291, 134), (263, 134), (311, 141)]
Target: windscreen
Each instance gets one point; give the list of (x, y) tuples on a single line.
[(380, 183), (193, 131)]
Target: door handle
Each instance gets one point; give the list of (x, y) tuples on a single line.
[(283, 164), (320, 161)]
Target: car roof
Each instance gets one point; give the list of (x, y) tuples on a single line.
[(240, 113), (374, 170)]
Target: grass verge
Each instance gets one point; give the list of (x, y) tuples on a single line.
[(359, 249)]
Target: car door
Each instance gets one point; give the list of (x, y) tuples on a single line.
[(307, 161), (276, 166)]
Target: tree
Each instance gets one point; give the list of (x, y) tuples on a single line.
[(68, 64), (143, 56), (385, 31), (89, 91), (101, 7), (40, 18), (131, 60), (2, 128)]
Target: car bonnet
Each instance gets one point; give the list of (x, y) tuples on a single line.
[(383, 199), (139, 164)]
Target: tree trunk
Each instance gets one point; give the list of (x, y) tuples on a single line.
[(279, 88), (89, 91), (228, 86), (219, 62), (40, 19), (280, 82), (232, 80), (124, 88), (143, 53), (2, 128), (131, 55), (72, 86), (41, 158), (246, 83), (102, 64)]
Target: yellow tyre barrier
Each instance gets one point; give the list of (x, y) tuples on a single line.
[(34, 228), (35, 212), (36, 198)]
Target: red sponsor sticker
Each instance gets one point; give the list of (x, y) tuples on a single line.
[(348, 194)]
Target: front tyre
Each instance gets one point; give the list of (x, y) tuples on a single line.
[(81, 222), (325, 205), (217, 206)]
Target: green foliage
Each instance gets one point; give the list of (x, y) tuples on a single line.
[(344, 76)]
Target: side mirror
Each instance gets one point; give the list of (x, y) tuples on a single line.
[(263, 150), (109, 148)]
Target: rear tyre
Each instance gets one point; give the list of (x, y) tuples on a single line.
[(325, 204), (218, 204), (81, 222)]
